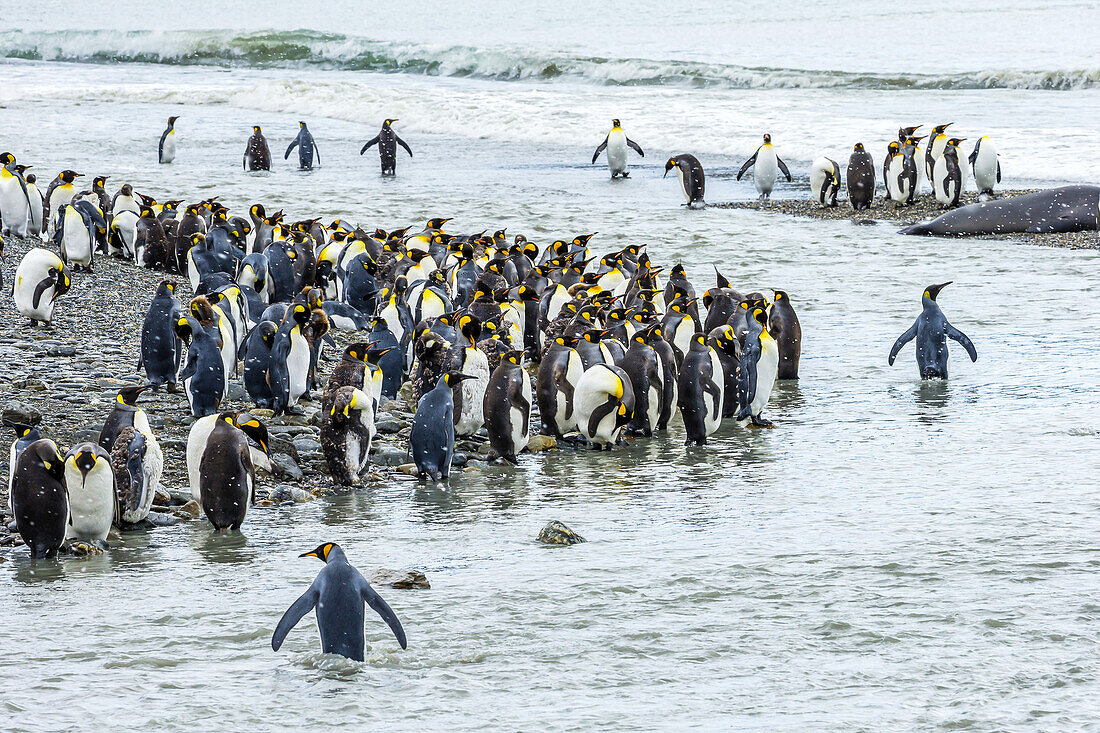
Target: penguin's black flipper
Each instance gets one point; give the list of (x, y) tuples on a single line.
[(636, 146), (382, 609), (599, 414), (957, 335), (160, 148), (746, 383), (293, 615), (293, 144), (603, 146), (402, 144), (998, 171), (783, 167), (973, 156), (371, 142), (316, 150), (746, 165), (903, 340)]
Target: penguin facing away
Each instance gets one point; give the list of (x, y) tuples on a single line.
[(861, 178), (39, 500), (931, 330), (432, 438), (508, 407), (306, 148), (339, 593), (387, 141), (257, 156), (616, 144)]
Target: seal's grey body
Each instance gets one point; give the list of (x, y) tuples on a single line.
[(1065, 209)]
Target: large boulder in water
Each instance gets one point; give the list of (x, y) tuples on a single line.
[(556, 533)]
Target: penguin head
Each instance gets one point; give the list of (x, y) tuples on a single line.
[(779, 295), (201, 309), (70, 176), (672, 163), (126, 190), (84, 461), (21, 429), (530, 249), (515, 356), (470, 327), (767, 139), (97, 183), (61, 280), (939, 130), (31, 178), (128, 395), (894, 148), (198, 239), (905, 132), (438, 222), (46, 454), (954, 142), (254, 430), (185, 329), (387, 123), (302, 125), (6, 158), (172, 120), (375, 355), (760, 315), (933, 290), (256, 129), (322, 552), (615, 124), (858, 148), (453, 379), (300, 314)]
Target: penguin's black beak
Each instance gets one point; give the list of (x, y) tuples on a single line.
[(321, 553), (85, 461), (934, 290)]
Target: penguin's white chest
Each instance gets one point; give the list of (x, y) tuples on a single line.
[(766, 169), (76, 241), (297, 364), (713, 417), (616, 152), (473, 392), (168, 154), (767, 367), (684, 186), (13, 205), (91, 502)]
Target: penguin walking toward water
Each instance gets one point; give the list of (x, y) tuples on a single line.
[(432, 438), (604, 401), (227, 476), (161, 350), (90, 482), (616, 144), (861, 178), (39, 500), (766, 166), (693, 181), (702, 391), (986, 165), (203, 374), (947, 174), (137, 463), (167, 151), (825, 181), (306, 148), (257, 156), (508, 407), (759, 369), (931, 330), (40, 279), (347, 430), (387, 142), (784, 327), (338, 593)]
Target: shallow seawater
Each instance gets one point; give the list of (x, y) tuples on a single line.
[(894, 554)]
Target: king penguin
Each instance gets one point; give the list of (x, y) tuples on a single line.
[(387, 142), (167, 150), (825, 181), (702, 391), (90, 482), (766, 166), (605, 404), (759, 368), (986, 166), (508, 407), (226, 475), (861, 178), (306, 148), (432, 438), (40, 280), (616, 144), (338, 593), (39, 500), (931, 330), (257, 156), (693, 181)]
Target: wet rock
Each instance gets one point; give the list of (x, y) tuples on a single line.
[(402, 579), (556, 533), (30, 384), (160, 519), (16, 411), (237, 392), (539, 443), (190, 510), (459, 459), (306, 445), (179, 498), (387, 456), (409, 469), (285, 466), (61, 351), (262, 412), (388, 427), (162, 497), (284, 493)]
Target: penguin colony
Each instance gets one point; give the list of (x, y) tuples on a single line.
[(616, 346)]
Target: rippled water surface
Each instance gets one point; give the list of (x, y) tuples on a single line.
[(895, 554)]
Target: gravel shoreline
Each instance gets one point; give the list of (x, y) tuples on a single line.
[(70, 375), (923, 209)]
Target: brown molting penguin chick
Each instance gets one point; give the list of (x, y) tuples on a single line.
[(347, 429), (432, 357)]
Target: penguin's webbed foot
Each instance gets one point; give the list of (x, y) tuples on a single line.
[(759, 422)]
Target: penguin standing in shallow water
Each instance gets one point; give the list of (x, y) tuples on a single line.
[(861, 178), (25, 435), (257, 156), (825, 181), (338, 593), (693, 181), (39, 500), (137, 463), (306, 148), (702, 386), (784, 327), (227, 477), (931, 330), (167, 150), (290, 361), (508, 407), (556, 382), (759, 368), (616, 144), (432, 438), (469, 407), (605, 405), (766, 166), (90, 482), (387, 142)]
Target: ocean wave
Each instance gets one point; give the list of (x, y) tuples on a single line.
[(303, 49)]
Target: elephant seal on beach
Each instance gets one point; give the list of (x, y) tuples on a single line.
[(1065, 209)]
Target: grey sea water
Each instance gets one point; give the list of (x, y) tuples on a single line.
[(894, 555)]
